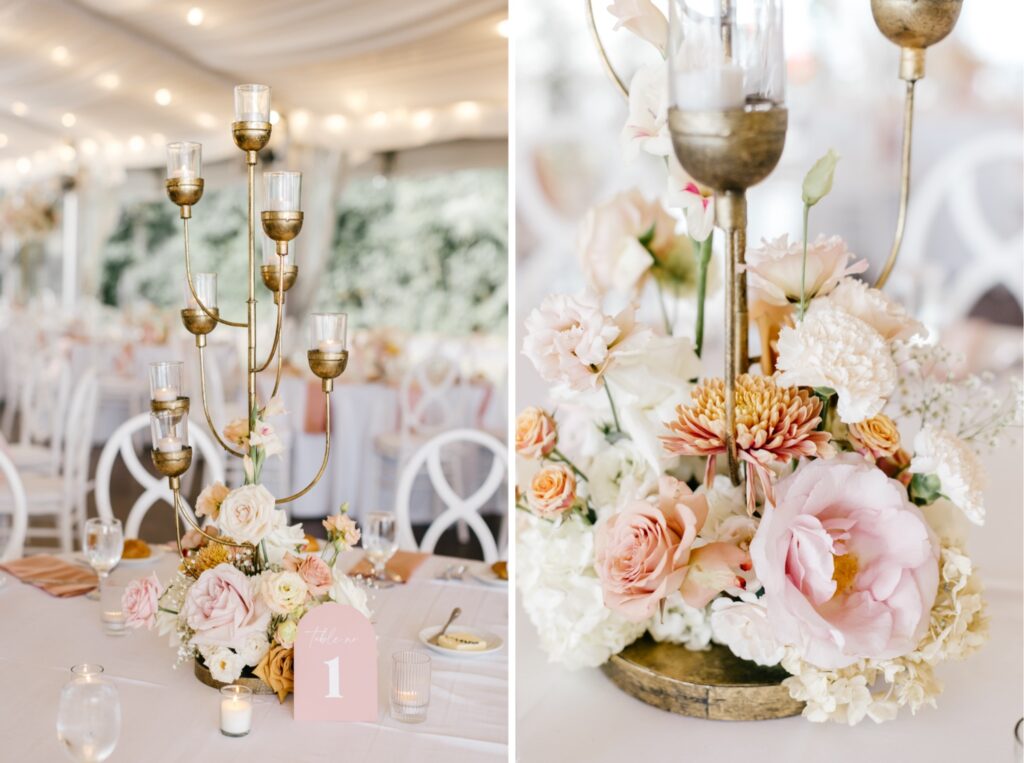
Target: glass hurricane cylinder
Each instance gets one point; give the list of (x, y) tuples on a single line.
[(252, 103), (184, 161), (328, 332), (726, 54), (282, 191), (410, 686), (169, 430), (205, 285), (165, 380)]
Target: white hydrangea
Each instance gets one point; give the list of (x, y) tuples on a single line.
[(743, 627), (562, 595), (619, 474), (680, 623), (831, 348), (961, 475)]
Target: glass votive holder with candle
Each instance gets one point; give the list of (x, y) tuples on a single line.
[(252, 103), (184, 161), (328, 332), (112, 611), (410, 686), (169, 430), (235, 710), (205, 285), (165, 383), (282, 191)]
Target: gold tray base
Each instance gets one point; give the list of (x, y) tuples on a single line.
[(256, 684), (715, 684)]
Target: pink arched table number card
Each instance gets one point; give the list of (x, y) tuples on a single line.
[(335, 666)]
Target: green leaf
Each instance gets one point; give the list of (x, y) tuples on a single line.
[(646, 239), (925, 489), (818, 181), (824, 392)]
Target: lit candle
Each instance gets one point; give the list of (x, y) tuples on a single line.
[(717, 88), (183, 173), (114, 621), (165, 394), (168, 444), (329, 345), (235, 710)]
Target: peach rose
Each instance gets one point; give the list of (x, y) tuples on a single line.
[(552, 491), (641, 554), (341, 528), (535, 433), (313, 570), (276, 670), (209, 501), (876, 437)]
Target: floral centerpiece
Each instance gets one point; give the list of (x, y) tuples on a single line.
[(840, 554), (236, 610)]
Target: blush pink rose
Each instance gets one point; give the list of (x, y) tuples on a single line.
[(222, 609), (849, 566), (313, 570), (641, 553), (140, 601)]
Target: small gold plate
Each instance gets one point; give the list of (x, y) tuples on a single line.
[(715, 684)]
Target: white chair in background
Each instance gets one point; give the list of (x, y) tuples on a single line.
[(17, 507), (62, 496), (42, 416), (457, 508), (156, 487)]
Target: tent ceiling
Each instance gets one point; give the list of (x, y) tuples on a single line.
[(363, 74)]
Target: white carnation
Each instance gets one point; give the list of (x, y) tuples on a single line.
[(887, 317), (744, 628), (831, 348), (679, 623), (345, 591), (282, 538), (225, 665), (961, 475)]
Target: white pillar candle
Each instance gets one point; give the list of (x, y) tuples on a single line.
[(715, 89), (327, 345), (168, 444), (165, 394), (235, 715), (182, 173)]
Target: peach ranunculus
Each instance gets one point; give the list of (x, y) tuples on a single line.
[(876, 437), (552, 491), (313, 570), (849, 565), (222, 608), (140, 601), (536, 434), (209, 501), (571, 341), (641, 553), (246, 515)]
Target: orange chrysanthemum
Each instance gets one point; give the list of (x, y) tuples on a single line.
[(773, 423)]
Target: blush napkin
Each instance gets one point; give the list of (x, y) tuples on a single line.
[(56, 576), (403, 564)]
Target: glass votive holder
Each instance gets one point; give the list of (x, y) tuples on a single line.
[(112, 611), (410, 686), (165, 381), (252, 103), (328, 332), (184, 160), (205, 285), (169, 430), (235, 710), (282, 191)]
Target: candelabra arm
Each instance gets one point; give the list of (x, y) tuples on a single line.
[(192, 289), (603, 52), (327, 452), (901, 219), (731, 216), (275, 347), (206, 408)]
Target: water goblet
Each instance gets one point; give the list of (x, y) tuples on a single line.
[(88, 715), (380, 542), (103, 543)]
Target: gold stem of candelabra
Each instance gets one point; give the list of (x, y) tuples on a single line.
[(192, 289), (605, 61), (327, 447), (250, 158), (901, 219), (179, 510), (280, 320), (206, 408)]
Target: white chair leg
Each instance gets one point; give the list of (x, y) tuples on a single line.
[(64, 528)]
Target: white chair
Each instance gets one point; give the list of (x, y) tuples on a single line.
[(62, 496), (17, 507), (42, 416), (156, 487), (457, 508), (428, 403)]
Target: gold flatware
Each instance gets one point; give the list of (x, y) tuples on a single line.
[(451, 618)]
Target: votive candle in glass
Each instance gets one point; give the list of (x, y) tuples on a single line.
[(169, 430), (410, 686), (252, 103), (235, 710), (205, 285), (165, 381), (184, 161), (282, 191), (328, 332)]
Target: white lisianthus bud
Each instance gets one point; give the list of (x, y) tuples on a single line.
[(818, 181)]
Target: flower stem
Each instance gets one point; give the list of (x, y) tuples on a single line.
[(703, 258), (560, 456), (803, 267), (611, 402), (664, 311)]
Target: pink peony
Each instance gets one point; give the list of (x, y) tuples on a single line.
[(222, 609), (849, 565), (641, 554), (313, 570), (141, 600)]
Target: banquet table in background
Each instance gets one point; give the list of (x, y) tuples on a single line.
[(973, 722), (168, 716)]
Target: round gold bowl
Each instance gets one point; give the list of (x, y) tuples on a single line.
[(256, 684)]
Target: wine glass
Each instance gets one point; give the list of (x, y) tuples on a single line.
[(102, 544), (88, 715), (380, 542)]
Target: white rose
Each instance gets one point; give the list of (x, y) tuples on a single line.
[(283, 592), (247, 514), (345, 591), (283, 538), (253, 647), (224, 664), (744, 628)]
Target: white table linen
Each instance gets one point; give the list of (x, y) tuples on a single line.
[(168, 716)]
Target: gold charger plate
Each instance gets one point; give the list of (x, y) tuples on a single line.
[(715, 684)]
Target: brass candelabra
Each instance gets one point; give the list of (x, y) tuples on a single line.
[(732, 145), (281, 221)]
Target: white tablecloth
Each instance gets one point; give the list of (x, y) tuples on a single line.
[(169, 717), (581, 715)]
